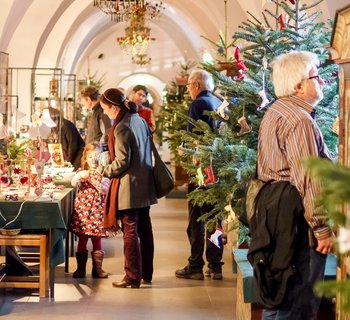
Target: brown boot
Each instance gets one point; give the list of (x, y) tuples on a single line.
[(97, 258), (81, 257)]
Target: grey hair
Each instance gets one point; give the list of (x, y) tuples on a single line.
[(203, 78), (290, 69)]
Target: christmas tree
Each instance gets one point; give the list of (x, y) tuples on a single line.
[(333, 198), (230, 151)]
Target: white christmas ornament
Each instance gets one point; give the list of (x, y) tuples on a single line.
[(264, 102), (214, 238), (221, 109)]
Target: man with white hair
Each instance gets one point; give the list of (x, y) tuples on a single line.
[(200, 85), (285, 265)]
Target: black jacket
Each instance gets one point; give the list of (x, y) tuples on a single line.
[(273, 229)]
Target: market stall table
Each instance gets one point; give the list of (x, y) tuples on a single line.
[(44, 213)]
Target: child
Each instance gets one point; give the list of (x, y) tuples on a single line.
[(87, 219)]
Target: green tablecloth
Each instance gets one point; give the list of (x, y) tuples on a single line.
[(53, 215)]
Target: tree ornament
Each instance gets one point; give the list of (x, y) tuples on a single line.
[(215, 237), (240, 64), (264, 102), (200, 177), (245, 128), (210, 175), (281, 20), (221, 110), (292, 1)]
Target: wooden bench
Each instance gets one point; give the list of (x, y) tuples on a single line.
[(246, 306), (37, 282)]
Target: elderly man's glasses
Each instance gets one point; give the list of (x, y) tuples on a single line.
[(317, 77)]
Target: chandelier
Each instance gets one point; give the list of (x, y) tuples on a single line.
[(115, 8), (141, 59), (136, 39), (138, 35), (123, 10)]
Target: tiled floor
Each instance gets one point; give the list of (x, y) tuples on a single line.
[(168, 297)]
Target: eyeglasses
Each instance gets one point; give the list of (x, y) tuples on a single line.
[(188, 84), (317, 77)]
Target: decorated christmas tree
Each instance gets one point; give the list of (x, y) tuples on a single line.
[(227, 156)]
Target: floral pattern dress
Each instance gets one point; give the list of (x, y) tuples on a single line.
[(87, 216)]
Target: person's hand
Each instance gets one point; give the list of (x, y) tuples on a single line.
[(83, 174), (324, 245), (105, 185)]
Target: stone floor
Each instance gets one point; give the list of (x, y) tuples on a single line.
[(168, 297)]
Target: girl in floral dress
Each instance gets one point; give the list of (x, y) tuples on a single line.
[(87, 219)]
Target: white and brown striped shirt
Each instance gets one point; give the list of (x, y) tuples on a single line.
[(287, 135)]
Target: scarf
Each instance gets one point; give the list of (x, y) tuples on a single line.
[(111, 202)]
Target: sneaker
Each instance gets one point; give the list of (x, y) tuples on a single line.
[(186, 273), (214, 275)]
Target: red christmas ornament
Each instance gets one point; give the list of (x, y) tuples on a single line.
[(236, 54), (282, 22), (292, 1)]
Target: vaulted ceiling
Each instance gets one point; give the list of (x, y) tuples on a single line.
[(63, 34)]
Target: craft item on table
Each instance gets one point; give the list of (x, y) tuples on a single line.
[(39, 167), (215, 237), (245, 128), (55, 150)]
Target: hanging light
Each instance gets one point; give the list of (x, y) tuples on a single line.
[(122, 10), (138, 34), (115, 8), (141, 59), (136, 40)]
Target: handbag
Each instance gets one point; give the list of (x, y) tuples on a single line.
[(163, 179)]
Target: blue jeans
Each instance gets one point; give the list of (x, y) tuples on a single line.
[(317, 268)]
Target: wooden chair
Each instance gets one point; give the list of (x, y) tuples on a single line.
[(37, 282)]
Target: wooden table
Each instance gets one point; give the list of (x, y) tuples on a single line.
[(44, 214)]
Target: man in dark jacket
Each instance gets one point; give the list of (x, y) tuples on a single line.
[(72, 143), (98, 123), (200, 86)]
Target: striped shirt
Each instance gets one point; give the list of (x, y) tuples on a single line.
[(287, 135)]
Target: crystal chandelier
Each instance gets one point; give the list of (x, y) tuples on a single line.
[(136, 39), (122, 10), (115, 8)]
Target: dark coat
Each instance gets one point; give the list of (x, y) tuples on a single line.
[(72, 143), (273, 229)]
